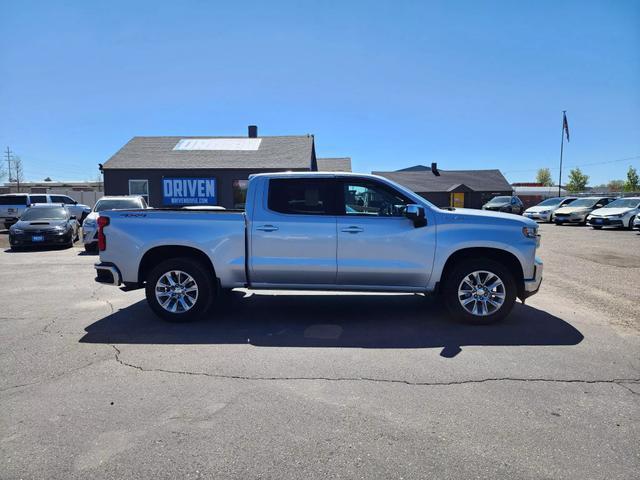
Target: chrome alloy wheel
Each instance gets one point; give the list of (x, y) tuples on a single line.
[(176, 291), (481, 293)]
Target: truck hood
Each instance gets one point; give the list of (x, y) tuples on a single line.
[(605, 212), (486, 217)]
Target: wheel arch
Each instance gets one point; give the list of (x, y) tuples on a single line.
[(503, 257), (155, 255)]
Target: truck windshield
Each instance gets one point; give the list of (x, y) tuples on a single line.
[(116, 204)]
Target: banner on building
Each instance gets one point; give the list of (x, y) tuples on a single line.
[(189, 191)]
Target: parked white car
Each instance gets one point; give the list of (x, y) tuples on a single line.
[(90, 227), (620, 213), (578, 210), (545, 210)]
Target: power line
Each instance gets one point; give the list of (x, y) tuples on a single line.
[(577, 165)]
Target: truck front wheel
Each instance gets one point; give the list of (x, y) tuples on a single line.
[(179, 289), (479, 291)]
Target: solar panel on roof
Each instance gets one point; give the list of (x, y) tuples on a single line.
[(232, 144)]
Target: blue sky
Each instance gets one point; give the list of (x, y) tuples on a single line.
[(468, 84)]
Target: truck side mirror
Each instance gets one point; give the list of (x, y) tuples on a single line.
[(416, 214)]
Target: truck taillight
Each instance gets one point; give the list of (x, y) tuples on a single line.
[(102, 240)]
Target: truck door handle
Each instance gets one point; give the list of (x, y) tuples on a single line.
[(352, 229), (267, 228)]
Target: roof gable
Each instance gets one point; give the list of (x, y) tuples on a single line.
[(285, 152)]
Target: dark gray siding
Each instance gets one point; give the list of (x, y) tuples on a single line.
[(116, 181)]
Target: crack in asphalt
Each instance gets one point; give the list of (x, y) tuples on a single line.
[(617, 381)]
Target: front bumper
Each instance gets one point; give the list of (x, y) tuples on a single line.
[(605, 222), (531, 286), (48, 239), (544, 217), (108, 274), (559, 218)]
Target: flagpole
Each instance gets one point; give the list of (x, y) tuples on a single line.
[(561, 149)]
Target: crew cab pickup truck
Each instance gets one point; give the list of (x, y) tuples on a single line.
[(322, 231)]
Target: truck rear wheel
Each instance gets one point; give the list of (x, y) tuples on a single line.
[(479, 291), (179, 289)]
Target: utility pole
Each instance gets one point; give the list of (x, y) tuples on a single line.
[(8, 155), (565, 131)]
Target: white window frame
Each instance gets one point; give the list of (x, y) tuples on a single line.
[(147, 197)]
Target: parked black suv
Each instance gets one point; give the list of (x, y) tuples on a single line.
[(505, 204)]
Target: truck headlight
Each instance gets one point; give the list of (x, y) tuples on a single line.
[(529, 232), (16, 231), (89, 223)]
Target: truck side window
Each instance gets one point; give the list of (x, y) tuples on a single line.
[(366, 198), (300, 196)]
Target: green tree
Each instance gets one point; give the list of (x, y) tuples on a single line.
[(577, 180), (632, 183), (615, 185), (544, 177)]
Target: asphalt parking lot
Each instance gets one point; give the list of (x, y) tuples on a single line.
[(323, 386)]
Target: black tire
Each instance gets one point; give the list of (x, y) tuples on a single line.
[(202, 278), (91, 247), (463, 269), (633, 217), (596, 228), (558, 224)]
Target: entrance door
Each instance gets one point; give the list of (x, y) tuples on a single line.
[(293, 240), (457, 200)]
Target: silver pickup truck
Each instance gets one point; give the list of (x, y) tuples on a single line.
[(322, 231)]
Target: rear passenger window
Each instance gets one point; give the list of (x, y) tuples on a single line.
[(13, 199), (38, 198), (300, 196)]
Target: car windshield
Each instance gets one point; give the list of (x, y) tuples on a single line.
[(116, 204), (584, 202), (624, 203), (550, 202), (500, 200), (31, 214)]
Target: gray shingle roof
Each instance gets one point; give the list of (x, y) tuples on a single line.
[(425, 181), (157, 152), (342, 164)]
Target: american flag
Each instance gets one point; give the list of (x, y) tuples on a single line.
[(565, 125)]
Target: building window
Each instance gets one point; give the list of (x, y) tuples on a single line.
[(139, 187), (239, 193)]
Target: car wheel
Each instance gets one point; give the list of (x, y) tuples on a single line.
[(558, 223), (179, 290), (596, 228), (631, 222), (479, 291), (91, 248)]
